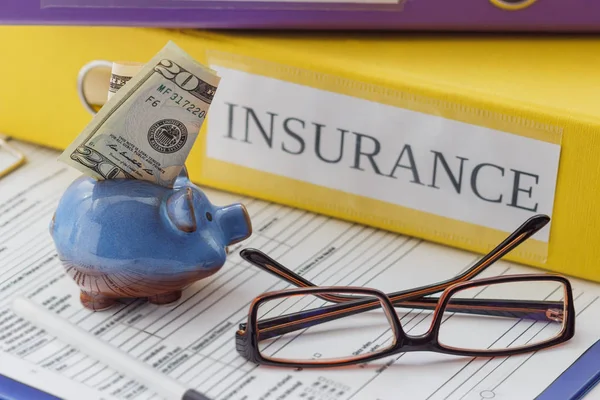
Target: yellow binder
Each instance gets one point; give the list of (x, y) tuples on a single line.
[(452, 139)]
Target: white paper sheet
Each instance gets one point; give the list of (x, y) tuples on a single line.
[(193, 341), (9, 159)]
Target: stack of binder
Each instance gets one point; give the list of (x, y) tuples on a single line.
[(456, 139), (430, 15)]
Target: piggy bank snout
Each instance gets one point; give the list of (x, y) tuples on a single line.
[(235, 223)]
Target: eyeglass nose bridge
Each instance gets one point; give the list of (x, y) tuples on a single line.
[(424, 340), (421, 341)]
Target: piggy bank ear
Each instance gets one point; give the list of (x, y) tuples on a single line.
[(180, 209)]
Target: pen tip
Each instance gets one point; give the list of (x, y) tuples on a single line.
[(191, 394)]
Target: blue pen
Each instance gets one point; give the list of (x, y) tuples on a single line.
[(11, 389), (577, 380)]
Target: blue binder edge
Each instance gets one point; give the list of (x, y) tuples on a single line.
[(11, 389), (577, 380)]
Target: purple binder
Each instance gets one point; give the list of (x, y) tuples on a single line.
[(424, 15)]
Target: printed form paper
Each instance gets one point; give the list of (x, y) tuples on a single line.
[(193, 340)]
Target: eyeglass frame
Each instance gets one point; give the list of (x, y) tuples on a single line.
[(247, 336)]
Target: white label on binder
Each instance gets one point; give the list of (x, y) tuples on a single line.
[(440, 166)]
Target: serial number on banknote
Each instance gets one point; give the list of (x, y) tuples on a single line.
[(178, 99)]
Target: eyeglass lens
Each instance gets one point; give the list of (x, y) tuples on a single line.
[(509, 315), (351, 336)]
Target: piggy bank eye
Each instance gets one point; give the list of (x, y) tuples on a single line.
[(209, 216)]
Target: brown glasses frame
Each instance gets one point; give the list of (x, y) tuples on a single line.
[(249, 334)]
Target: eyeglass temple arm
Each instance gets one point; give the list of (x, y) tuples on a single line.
[(522, 233), (535, 310)]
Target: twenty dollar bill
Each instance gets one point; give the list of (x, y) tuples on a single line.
[(147, 128)]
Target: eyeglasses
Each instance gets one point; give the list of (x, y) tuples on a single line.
[(313, 326)]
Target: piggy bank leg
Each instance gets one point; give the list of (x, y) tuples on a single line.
[(96, 301), (165, 298)]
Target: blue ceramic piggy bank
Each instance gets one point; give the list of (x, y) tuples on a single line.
[(126, 238)]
